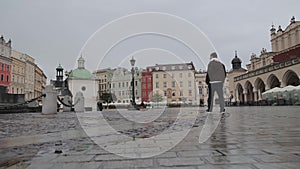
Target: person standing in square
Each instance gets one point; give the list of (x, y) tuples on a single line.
[(216, 75)]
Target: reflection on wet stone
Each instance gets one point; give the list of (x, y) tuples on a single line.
[(250, 137)]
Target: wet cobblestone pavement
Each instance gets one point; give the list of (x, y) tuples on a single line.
[(247, 138)]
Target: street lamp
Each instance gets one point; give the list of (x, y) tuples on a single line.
[(132, 62)]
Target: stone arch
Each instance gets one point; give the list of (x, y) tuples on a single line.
[(290, 78), (239, 93), (249, 94), (273, 81), (260, 87)]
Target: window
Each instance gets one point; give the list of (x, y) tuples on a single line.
[(190, 83), (7, 78), (164, 68), (180, 75), (180, 67), (2, 67), (2, 77), (126, 84), (156, 75), (13, 78), (200, 90), (165, 84), (207, 91), (165, 93), (181, 84), (173, 83), (12, 90), (173, 67), (119, 85), (135, 83), (190, 92), (7, 68), (123, 84), (181, 93), (165, 75), (157, 85)]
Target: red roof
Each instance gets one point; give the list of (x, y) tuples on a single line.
[(287, 55)]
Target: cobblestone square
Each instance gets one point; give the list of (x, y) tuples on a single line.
[(246, 138)]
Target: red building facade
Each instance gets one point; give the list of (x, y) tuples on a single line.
[(5, 63), (5, 69), (146, 85)]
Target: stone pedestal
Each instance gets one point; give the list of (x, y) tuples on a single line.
[(49, 101), (79, 102)]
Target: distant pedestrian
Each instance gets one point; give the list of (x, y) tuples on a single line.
[(216, 76), (100, 106)]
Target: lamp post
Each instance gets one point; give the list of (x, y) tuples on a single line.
[(132, 62)]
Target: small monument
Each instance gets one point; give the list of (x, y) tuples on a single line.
[(50, 103)]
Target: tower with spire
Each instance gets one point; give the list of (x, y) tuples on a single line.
[(59, 73), (236, 62)]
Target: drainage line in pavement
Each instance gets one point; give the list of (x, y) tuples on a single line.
[(220, 152)]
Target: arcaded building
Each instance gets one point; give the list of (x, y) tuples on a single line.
[(277, 68)]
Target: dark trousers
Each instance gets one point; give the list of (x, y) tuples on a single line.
[(218, 87), (208, 98)]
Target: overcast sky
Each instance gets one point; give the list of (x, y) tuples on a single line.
[(55, 31)]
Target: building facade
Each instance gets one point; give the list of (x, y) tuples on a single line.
[(147, 87), (278, 68), (202, 88), (5, 64), (176, 82), (103, 78), (17, 76), (121, 85), (38, 81), (29, 73)]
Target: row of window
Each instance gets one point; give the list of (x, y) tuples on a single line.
[(173, 75), (123, 84), (180, 67), (17, 91), (3, 67), (165, 84), (2, 78), (124, 93), (18, 80)]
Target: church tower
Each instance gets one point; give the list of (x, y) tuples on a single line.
[(236, 62), (80, 62), (59, 73)]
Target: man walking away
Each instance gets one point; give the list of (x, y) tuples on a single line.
[(216, 74)]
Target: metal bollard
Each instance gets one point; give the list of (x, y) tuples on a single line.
[(49, 102)]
